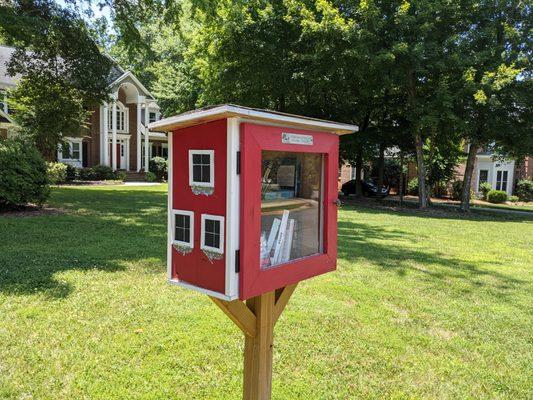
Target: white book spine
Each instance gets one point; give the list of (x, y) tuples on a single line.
[(287, 245), (281, 237), (273, 232)]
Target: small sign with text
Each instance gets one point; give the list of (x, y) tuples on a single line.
[(293, 138)]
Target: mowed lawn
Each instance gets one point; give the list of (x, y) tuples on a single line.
[(423, 305)]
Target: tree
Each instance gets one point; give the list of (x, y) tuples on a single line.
[(62, 71), (495, 86)]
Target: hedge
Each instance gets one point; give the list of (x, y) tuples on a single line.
[(23, 177)]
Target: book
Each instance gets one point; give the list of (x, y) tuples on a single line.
[(287, 244), (281, 237), (272, 235)]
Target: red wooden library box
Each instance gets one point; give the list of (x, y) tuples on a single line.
[(252, 199)]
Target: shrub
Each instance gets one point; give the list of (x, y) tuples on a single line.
[(72, 173), (159, 166), (485, 188), (121, 176), (22, 174), (150, 177), (513, 199), (103, 172), (86, 174), (56, 172), (524, 189), (497, 196), (412, 187), (457, 191)]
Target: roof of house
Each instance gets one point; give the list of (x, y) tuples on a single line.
[(116, 75), (212, 113)]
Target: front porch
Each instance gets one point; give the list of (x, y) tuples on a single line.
[(125, 142)]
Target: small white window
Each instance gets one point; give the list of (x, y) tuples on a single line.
[(212, 233), (202, 168), (183, 228), (75, 150)]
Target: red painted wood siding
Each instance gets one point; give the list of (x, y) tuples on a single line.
[(195, 268)]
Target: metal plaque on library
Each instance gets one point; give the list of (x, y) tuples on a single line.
[(294, 138)]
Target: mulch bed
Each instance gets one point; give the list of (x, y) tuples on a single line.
[(31, 210)]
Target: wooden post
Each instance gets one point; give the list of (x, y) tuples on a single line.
[(257, 319)]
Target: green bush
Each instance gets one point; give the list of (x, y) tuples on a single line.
[(524, 189), (485, 188), (457, 191), (150, 177), (497, 196), (121, 176), (513, 199), (86, 174), (159, 166), (72, 172), (103, 173), (22, 174), (412, 187), (56, 172)]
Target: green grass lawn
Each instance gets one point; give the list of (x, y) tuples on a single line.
[(424, 305)]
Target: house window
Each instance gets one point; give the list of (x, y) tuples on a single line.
[(122, 118), (75, 150), (183, 228), (212, 233), (202, 168), (501, 180), (152, 116), (70, 151), (483, 177)]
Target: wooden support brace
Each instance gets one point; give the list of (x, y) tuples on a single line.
[(240, 314), (257, 319)]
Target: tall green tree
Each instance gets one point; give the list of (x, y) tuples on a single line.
[(495, 84), (60, 68)]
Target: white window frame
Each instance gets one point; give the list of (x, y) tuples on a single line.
[(192, 182), (219, 218), (121, 110), (70, 144), (189, 214)]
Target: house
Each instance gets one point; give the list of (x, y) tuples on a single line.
[(117, 134), (501, 174)]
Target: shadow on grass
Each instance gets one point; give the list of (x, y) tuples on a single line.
[(435, 211), (361, 241), (102, 230)]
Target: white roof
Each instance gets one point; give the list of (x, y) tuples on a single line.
[(212, 113)]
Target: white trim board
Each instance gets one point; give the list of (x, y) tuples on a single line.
[(229, 110)]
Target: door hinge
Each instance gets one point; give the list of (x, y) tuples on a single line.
[(237, 261), (238, 163)]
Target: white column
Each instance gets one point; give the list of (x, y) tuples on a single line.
[(140, 100), (5, 103), (104, 159), (114, 132), (146, 136), (127, 153)]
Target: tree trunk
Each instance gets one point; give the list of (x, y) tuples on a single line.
[(467, 180), (358, 173), (381, 167), (422, 188), (400, 189)]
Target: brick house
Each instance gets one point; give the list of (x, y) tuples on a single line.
[(117, 134)]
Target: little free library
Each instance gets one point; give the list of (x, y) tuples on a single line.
[(252, 210)]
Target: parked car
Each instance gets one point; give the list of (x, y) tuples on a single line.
[(370, 189)]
